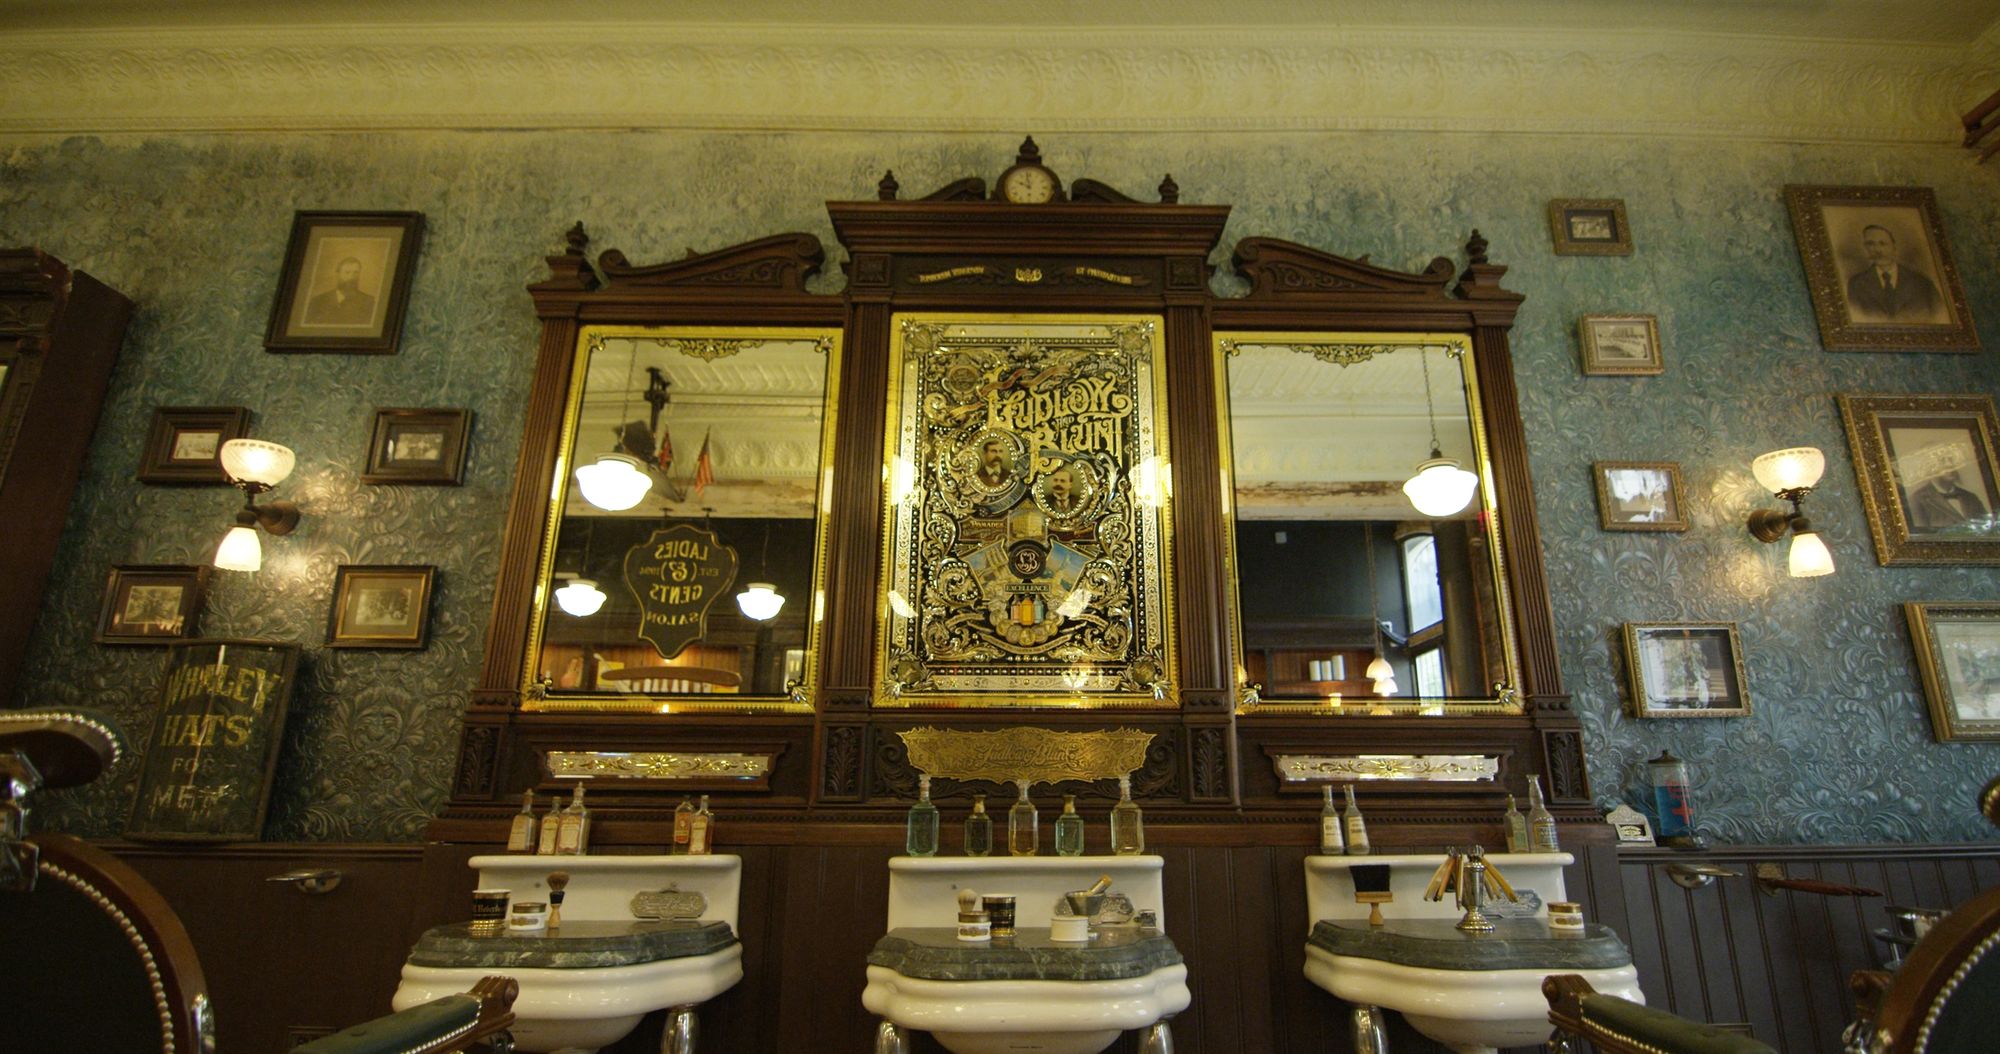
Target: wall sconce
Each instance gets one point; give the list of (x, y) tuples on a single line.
[(255, 466), (1790, 475)]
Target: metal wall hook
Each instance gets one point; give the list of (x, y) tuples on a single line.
[(1695, 876), (313, 880)]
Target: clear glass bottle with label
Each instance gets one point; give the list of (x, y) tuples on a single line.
[(1355, 827), (920, 829), (545, 839), (683, 825), (1330, 841), (521, 836), (1024, 825), (701, 831), (978, 829), (1517, 827), (1069, 829), (573, 830), (1541, 823), (1128, 826)]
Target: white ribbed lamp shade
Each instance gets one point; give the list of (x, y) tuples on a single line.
[(240, 550), (1440, 487), (615, 483), (1783, 470), (1810, 557), (580, 597), (760, 601), (1379, 670), (1385, 686), (255, 461)]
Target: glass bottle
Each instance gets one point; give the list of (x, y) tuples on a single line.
[(1024, 825), (545, 840), (1517, 827), (1356, 827), (920, 830), (1673, 807), (683, 822), (1330, 841), (701, 831), (573, 831), (1069, 829), (1541, 824), (521, 836), (1128, 827), (978, 829)]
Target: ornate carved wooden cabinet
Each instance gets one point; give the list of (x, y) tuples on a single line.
[(1028, 467)]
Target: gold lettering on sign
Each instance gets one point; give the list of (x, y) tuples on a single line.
[(1107, 276), (950, 273), (1460, 768), (602, 764), (1038, 755)]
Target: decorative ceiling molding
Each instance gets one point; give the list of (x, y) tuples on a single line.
[(982, 78)]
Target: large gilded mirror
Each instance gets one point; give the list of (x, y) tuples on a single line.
[(1363, 528), (682, 559)]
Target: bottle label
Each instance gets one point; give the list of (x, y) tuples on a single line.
[(569, 835), (1329, 831), (697, 841), (547, 846), (522, 837), (1357, 831)]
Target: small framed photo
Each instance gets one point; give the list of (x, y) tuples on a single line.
[(1590, 227), (1929, 469), (1958, 655), (1685, 669), (1880, 270), (380, 606), (151, 604), (185, 443), (1639, 496), (346, 282), (1621, 345), (418, 446)]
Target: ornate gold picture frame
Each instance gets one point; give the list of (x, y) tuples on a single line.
[(1958, 654), (1929, 471), (1880, 269), (1684, 669), (1027, 538)]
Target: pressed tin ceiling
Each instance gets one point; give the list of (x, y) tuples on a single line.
[(1823, 70)]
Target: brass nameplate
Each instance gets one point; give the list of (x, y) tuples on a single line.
[(1038, 755), (948, 274), (668, 903), (1316, 768), (1103, 275), (599, 764)]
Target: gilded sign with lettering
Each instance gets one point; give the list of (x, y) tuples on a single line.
[(676, 575), (207, 774)]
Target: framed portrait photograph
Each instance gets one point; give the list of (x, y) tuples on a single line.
[(345, 282), (151, 604), (1958, 657), (1620, 345), (1639, 496), (184, 445), (1929, 475), (1590, 227), (1685, 669), (380, 606), (418, 446), (1880, 269)]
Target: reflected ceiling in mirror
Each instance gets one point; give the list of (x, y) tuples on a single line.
[(1334, 566), (682, 561)]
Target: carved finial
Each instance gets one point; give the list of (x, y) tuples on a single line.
[(886, 190), (1030, 153), (1170, 191), (1475, 249), (576, 239)]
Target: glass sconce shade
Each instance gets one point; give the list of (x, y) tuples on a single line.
[(1385, 686), (580, 597), (258, 462), (760, 601), (1810, 557), (1440, 487), (240, 549), (1379, 670), (1789, 469), (615, 483)]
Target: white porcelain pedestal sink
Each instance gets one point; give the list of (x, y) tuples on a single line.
[(586, 985), (1474, 993)]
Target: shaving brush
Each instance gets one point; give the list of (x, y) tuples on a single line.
[(558, 881)]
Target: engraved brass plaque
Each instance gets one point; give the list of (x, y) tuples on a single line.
[(1038, 755), (1459, 768), (705, 768), (669, 903)]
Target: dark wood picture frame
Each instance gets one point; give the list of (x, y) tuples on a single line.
[(315, 311), (420, 446), (1841, 231), (1666, 512), (1590, 227), (1938, 634), (184, 445), (1643, 638), (166, 610), (1917, 521), (206, 777), (381, 606)]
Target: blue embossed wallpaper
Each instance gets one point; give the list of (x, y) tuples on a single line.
[(1838, 748)]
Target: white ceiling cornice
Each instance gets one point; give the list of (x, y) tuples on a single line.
[(983, 78)]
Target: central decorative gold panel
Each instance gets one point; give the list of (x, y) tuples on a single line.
[(1038, 755)]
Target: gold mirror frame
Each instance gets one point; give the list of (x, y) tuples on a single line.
[(1336, 348), (700, 342)]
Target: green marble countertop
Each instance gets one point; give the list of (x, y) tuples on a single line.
[(934, 953), (574, 946), (1438, 944)]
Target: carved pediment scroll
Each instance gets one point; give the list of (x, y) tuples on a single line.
[(780, 263), (1282, 269)]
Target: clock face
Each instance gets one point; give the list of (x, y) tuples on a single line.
[(1028, 186)]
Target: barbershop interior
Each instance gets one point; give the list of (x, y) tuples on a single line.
[(897, 528)]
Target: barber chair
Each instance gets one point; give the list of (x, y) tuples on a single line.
[(93, 959)]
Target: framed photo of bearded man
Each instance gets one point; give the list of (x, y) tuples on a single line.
[(346, 282), (1880, 269)]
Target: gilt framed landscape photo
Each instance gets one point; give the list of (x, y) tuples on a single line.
[(151, 604), (1639, 496), (1684, 669), (1929, 469), (184, 445), (1958, 655), (380, 606), (346, 282), (1880, 269), (1590, 227), (1620, 345), (418, 446)]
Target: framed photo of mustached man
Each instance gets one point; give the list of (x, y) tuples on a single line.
[(1929, 469), (1880, 269), (346, 282), (1027, 555)]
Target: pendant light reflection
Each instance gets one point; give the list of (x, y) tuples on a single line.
[(1440, 487), (580, 597), (760, 601), (615, 483)]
